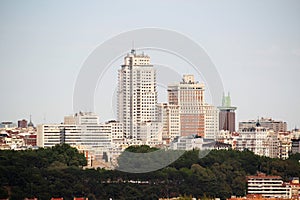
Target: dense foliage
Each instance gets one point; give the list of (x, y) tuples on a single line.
[(57, 172)]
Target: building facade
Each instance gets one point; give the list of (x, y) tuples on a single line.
[(211, 122), (22, 123), (284, 145), (170, 119), (277, 126), (295, 148), (188, 95), (86, 131), (137, 97), (268, 186), (227, 115), (259, 140)]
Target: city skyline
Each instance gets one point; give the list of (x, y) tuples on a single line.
[(257, 55)]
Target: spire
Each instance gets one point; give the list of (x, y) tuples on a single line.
[(257, 123), (228, 102), (223, 100), (30, 124)]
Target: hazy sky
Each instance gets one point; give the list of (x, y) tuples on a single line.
[(254, 44)]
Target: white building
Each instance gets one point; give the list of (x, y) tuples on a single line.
[(268, 186), (137, 97), (170, 119), (260, 140), (194, 142), (211, 122), (187, 143), (86, 131), (284, 145)]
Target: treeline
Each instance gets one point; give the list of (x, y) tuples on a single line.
[(58, 172)]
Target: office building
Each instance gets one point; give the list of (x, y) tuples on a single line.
[(189, 96), (227, 115), (170, 118), (86, 131), (211, 122), (137, 98)]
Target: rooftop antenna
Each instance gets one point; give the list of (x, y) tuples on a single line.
[(132, 49)]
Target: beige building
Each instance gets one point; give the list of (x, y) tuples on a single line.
[(277, 126), (284, 145), (170, 119), (186, 113), (211, 122), (137, 98), (260, 140)]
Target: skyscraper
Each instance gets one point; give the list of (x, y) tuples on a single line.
[(227, 115), (137, 98), (188, 95)]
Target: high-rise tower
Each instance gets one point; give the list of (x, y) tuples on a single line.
[(227, 115), (189, 96), (137, 98)]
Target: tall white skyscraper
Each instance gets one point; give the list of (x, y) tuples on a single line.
[(137, 98)]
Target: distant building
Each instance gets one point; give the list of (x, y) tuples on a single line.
[(211, 121), (268, 186), (277, 126), (189, 96), (7, 125), (137, 98), (295, 134), (295, 146), (86, 131), (195, 142), (186, 113), (187, 143), (170, 119), (284, 145), (227, 115), (295, 187), (22, 123), (30, 140), (259, 140)]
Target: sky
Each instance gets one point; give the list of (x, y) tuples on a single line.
[(254, 45)]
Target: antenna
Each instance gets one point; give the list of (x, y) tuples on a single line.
[(133, 50)]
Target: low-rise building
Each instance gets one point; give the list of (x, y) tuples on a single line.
[(295, 148), (268, 186), (269, 123)]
